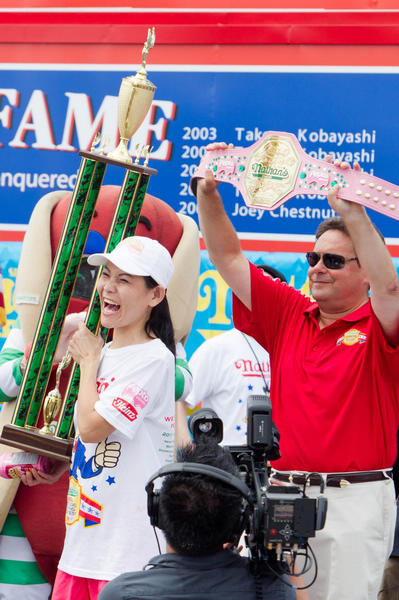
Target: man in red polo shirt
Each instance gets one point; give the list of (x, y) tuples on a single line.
[(335, 380)]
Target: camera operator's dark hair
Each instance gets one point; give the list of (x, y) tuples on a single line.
[(160, 321), (200, 513)]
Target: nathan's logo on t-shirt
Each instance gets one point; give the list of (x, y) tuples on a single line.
[(249, 368), (125, 408), (352, 337)]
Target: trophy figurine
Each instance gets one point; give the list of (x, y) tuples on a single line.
[(53, 399), (136, 90)]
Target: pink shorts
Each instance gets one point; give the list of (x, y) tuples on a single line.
[(71, 587)]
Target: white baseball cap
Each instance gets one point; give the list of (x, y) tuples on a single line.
[(139, 255)]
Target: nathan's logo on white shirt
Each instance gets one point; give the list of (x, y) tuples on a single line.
[(249, 368), (125, 408), (352, 337)]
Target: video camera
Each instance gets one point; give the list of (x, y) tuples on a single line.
[(280, 518)]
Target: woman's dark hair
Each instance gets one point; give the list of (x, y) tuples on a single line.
[(160, 322)]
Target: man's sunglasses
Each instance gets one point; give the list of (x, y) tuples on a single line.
[(330, 261)]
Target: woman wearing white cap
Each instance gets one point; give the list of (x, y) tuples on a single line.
[(124, 419)]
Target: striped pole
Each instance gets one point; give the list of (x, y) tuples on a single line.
[(58, 294), (124, 224)]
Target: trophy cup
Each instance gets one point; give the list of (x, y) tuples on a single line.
[(136, 90), (134, 101), (276, 168)]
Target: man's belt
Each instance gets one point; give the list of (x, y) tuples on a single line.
[(276, 168), (333, 479)]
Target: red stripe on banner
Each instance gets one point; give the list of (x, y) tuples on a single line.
[(317, 27), (285, 246), (104, 54), (247, 245), (12, 236), (275, 246), (271, 245), (172, 5)]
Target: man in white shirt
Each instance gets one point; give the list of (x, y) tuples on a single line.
[(226, 370)]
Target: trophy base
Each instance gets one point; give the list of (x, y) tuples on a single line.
[(33, 441)]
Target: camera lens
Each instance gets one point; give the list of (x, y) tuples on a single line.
[(205, 427), (205, 421)]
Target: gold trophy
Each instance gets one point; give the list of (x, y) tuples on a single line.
[(135, 97), (136, 90)]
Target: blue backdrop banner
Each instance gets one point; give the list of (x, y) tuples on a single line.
[(47, 115)]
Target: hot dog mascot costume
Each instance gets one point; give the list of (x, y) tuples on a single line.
[(41, 509)]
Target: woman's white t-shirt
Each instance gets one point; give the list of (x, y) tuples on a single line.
[(108, 531)]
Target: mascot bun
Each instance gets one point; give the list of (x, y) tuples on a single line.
[(178, 233)]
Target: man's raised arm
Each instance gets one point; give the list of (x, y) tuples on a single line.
[(221, 238), (376, 262)]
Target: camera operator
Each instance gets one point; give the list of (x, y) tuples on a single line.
[(199, 514)]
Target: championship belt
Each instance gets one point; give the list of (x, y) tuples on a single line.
[(276, 168)]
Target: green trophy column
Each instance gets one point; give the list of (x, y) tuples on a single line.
[(58, 292), (125, 222)]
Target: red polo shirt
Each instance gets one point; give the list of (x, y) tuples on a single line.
[(334, 391)]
